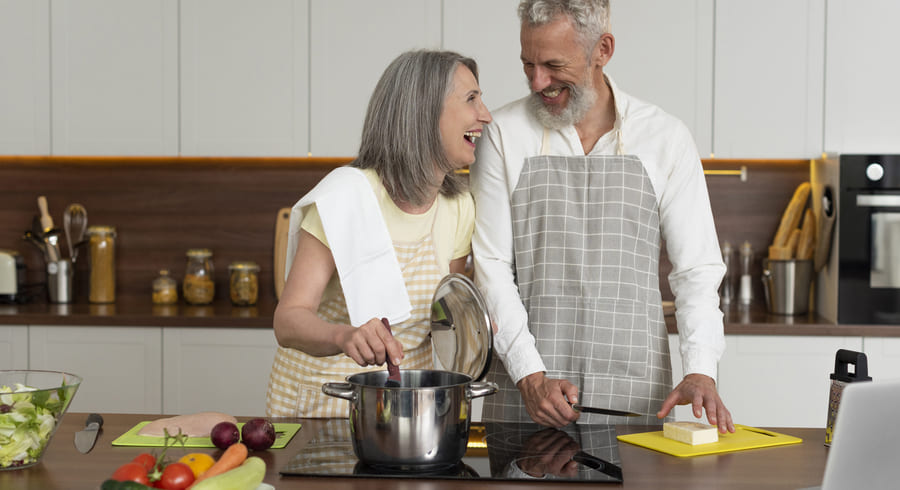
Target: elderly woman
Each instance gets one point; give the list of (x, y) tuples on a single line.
[(373, 239)]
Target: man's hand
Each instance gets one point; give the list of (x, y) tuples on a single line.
[(547, 400), (700, 391)]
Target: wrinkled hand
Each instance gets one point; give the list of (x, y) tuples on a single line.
[(547, 400), (549, 451), (371, 344), (700, 391)]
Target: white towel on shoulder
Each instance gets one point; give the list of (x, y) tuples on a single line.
[(360, 244)]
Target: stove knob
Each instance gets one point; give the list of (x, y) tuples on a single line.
[(875, 172)]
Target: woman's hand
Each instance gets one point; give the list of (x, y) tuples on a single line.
[(370, 344)]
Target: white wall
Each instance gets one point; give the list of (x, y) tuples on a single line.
[(767, 79)]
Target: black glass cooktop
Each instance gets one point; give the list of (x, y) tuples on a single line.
[(497, 451)]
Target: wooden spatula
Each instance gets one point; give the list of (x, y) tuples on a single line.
[(393, 380), (282, 223)]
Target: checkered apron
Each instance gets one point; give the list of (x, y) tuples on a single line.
[(296, 379), (586, 243)]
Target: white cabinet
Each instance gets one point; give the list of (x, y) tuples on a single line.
[(120, 365), (883, 357), (779, 381), (769, 72), (24, 77), (220, 369), (862, 99), (14, 347), (245, 78), (664, 55), (114, 77), (352, 43), (500, 72)]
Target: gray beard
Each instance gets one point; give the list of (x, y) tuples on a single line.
[(581, 99)]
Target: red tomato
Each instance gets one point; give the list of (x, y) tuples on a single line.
[(146, 460), (132, 472), (176, 476)]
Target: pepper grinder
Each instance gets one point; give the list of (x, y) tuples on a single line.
[(727, 281), (746, 291)]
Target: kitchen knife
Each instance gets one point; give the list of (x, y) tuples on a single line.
[(603, 411), (85, 438)]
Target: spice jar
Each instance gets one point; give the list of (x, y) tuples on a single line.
[(102, 248), (165, 289), (243, 283), (199, 287)]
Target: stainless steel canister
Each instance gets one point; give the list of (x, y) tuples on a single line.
[(839, 379), (786, 284)]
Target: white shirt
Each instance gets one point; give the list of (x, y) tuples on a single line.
[(667, 151)]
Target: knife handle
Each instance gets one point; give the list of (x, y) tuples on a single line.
[(94, 418)]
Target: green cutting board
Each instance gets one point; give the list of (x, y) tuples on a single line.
[(283, 433), (744, 437)]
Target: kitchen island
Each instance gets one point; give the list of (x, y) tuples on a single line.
[(787, 467)]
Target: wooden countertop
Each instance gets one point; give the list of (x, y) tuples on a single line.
[(139, 312), (787, 467)]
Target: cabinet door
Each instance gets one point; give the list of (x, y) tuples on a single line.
[(244, 79), (779, 381), (862, 77), (225, 370), (883, 357), (352, 42), (664, 55), (14, 347), (500, 72), (115, 77), (769, 71), (25, 77), (120, 365)]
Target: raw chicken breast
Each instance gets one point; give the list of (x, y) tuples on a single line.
[(194, 425)]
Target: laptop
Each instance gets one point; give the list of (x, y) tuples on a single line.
[(864, 450)]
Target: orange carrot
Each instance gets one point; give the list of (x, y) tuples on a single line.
[(230, 459)]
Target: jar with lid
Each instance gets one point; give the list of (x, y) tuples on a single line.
[(244, 283), (165, 289), (199, 287), (102, 249)]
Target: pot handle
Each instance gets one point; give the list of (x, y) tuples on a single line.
[(340, 390), (480, 388)]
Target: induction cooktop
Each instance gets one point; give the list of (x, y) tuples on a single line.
[(496, 451)]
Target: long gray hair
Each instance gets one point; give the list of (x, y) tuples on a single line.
[(401, 137), (589, 17)]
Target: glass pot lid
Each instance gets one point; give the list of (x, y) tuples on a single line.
[(461, 334)]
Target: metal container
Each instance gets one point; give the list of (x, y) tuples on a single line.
[(420, 426), (786, 284), (839, 379)]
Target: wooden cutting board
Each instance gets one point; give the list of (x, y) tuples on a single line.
[(282, 223), (744, 437), (283, 432)]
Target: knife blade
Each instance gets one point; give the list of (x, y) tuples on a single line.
[(604, 411), (85, 438)]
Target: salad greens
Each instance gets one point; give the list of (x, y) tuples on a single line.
[(28, 418)]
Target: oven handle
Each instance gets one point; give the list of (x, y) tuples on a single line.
[(878, 200)]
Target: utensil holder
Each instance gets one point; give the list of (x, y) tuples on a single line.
[(59, 281), (786, 285)]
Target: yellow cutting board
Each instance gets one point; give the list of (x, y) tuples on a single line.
[(744, 437), (283, 435)]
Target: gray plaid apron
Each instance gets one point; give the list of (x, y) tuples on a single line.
[(586, 244)]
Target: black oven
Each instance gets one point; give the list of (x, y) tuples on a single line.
[(867, 240)]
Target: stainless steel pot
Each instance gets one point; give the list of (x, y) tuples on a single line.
[(421, 425)]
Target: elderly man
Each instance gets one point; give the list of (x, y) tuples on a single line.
[(576, 185)]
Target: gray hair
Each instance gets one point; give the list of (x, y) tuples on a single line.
[(589, 17), (401, 137)]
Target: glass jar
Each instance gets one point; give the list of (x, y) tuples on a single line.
[(199, 287), (165, 289), (102, 249), (244, 283)]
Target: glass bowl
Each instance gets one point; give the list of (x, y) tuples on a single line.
[(32, 403)]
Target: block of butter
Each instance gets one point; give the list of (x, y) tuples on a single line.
[(692, 433)]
